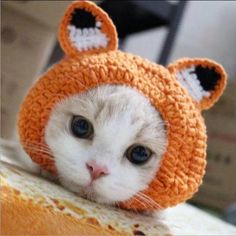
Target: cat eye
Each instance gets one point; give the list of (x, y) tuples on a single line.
[(138, 154), (81, 127)]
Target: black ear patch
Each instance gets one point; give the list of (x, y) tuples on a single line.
[(82, 19), (208, 77)]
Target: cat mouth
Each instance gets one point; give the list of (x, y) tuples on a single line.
[(87, 191), (90, 193)]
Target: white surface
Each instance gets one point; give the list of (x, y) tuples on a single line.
[(187, 220), (180, 220)]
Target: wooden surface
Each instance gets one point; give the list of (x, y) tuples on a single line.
[(181, 220)]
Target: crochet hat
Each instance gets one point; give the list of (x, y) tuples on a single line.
[(179, 92)]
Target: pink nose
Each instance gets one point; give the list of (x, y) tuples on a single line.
[(96, 170)]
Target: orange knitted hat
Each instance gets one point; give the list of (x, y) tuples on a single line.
[(179, 92)]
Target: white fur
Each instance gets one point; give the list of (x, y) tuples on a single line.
[(189, 80), (87, 38), (121, 116)]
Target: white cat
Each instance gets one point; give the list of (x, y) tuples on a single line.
[(107, 143)]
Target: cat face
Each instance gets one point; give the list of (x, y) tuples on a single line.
[(107, 143)]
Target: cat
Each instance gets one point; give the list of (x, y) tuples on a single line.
[(119, 152), (114, 127), (121, 120)]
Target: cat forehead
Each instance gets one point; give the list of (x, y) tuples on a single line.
[(109, 102)]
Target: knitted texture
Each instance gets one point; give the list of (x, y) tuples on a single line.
[(206, 102), (183, 164)]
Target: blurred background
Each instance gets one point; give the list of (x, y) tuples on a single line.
[(161, 31)]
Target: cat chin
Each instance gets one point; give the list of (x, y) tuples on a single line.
[(91, 194), (88, 193), (96, 197)]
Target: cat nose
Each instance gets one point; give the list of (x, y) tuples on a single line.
[(96, 170)]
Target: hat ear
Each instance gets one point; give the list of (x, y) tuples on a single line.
[(86, 29), (204, 79)]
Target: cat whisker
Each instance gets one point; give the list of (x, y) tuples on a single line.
[(144, 203), (150, 200), (144, 197), (38, 144), (35, 148), (30, 148)]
